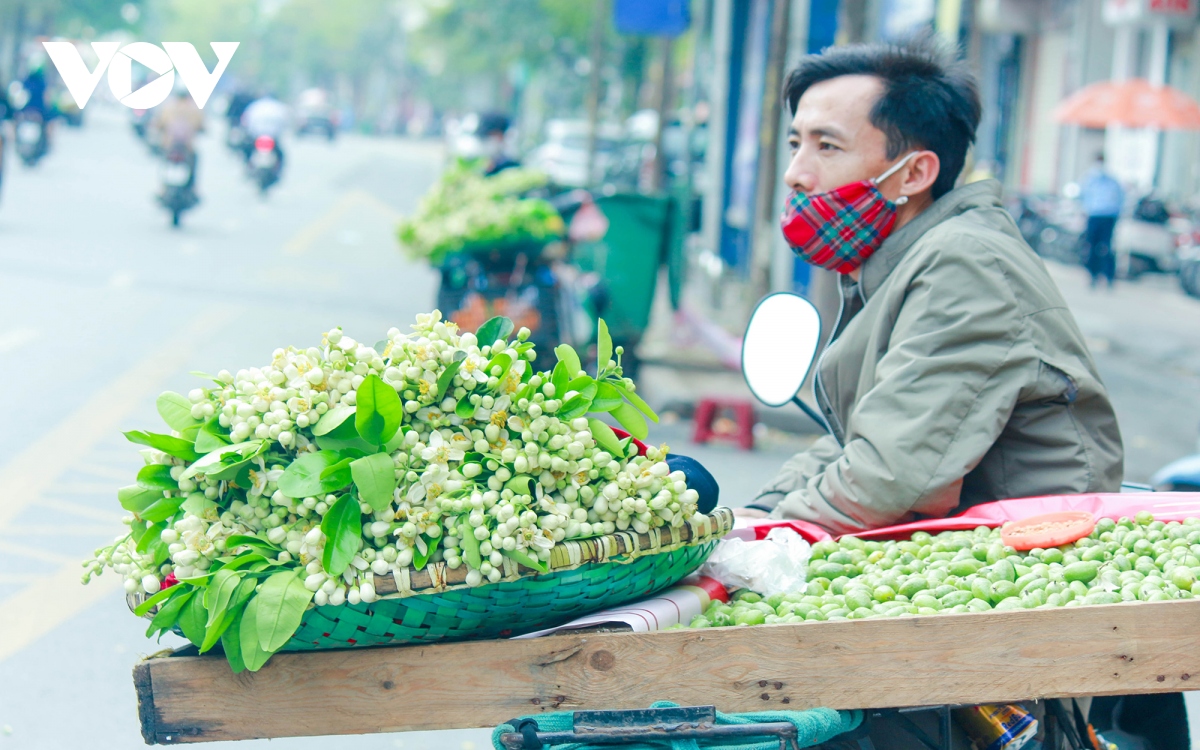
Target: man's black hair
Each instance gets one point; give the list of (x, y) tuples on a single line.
[(930, 99)]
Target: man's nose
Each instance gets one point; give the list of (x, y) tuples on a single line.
[(798, 178)]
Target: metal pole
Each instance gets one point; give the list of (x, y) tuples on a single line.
[(658, 179), (596, 54), (768, 151)]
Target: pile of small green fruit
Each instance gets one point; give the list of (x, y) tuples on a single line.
[(1130, 559)]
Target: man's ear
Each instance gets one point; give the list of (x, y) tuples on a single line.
[(920, 173)]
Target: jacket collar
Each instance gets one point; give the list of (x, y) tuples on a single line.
[(875, 270)]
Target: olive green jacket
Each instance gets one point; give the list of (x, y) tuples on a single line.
[(956, 375)]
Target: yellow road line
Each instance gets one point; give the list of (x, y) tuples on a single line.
[(326, 222), (34, 553), (91, 488), (40, 607), (107, 530), (35, 472), (106, 472), (111, 514)]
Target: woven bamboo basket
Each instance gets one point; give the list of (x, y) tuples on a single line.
[(435, 603)]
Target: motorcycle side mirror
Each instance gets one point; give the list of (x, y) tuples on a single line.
[(779, 347)]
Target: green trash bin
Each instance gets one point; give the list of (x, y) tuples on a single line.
[(644, 232)]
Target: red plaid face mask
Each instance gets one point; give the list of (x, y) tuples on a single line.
[(840, 229)]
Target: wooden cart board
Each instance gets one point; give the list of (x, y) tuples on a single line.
[(877, 663)]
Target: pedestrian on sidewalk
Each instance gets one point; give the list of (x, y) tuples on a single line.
[(1102, 199)]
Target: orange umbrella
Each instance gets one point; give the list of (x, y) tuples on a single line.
[(1133, 103)]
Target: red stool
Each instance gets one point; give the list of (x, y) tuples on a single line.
[(707, 410)]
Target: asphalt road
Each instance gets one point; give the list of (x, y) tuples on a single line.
[(103, 306)]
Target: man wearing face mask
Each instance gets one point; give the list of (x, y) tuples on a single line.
[(956, 374), (493, 135)]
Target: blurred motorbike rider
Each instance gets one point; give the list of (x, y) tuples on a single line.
[(493, 135), (267, 116), (175, 126)]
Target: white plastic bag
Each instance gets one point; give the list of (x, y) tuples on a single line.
[(775, 565)]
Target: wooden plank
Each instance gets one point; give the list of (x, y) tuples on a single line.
[(966, 658)]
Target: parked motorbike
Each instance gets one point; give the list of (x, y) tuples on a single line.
[(1052, 226), (30, 135), (178, 192), (1147, 240), (266, 162)]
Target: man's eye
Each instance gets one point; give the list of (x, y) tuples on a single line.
[(793, 145), (826, 146)]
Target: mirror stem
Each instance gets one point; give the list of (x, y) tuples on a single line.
[(812, 414)]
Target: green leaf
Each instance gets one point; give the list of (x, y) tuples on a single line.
[(253, 656), (226, 454), (378, 411), (211, 436), (375, 477), (302, 477), (342, 527), (397, 440), (470, 545), (568, 357), (154, 601), (162, 509), (150, 537), (464, 408), (632, 420), (607, 398), (244, 560), (605, 437), (193, 618), (282, 600), (520, 484), (636, 400), (332, 419), (244, 591), (579, 404), (233, 541), (496, 329), (168, 614), (156, 477), (338, 471), (172, 446), (421, 558), (175, 410), (231, 644), (524, 558), (447, 377), (198, 505), (604, 347), (560, 379), (503, 360), (135, 499), (628, 449), (218, 595), (578, 384)]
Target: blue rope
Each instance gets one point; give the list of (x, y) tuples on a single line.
[(812, 727)]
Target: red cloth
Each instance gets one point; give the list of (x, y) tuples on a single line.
[(1166, 506)]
